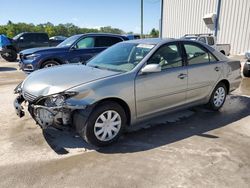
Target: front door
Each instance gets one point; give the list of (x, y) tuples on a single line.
[(162, 90), (83, 50)]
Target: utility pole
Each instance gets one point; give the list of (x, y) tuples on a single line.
[(141, 18), (161, 20)]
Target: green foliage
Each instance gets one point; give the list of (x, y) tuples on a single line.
[(154, 33), (12, 29)]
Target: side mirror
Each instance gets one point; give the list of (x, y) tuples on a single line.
[(151, 68), (73, 47), (21, 39)]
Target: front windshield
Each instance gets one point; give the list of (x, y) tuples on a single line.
[(69, 41), (17, 36), (121, 57)]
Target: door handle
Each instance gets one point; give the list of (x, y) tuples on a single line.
[(182, 76), (217, 69)]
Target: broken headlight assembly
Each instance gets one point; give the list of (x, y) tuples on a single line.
[(58, 99)]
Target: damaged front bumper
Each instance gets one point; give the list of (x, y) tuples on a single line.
[(48, 116), (18, 106)]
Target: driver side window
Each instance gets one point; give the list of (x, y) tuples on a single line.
[(87, 42), (168, 56)]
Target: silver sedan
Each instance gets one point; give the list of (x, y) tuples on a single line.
[(127, 84)]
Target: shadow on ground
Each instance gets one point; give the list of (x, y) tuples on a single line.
[(159, 134), (3, 69)]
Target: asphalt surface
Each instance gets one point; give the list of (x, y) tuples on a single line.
[(192, 148)]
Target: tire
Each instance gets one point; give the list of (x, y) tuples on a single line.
[(98, 129), (218, 97), (246, 69), (49, 63), (10, 56), (223, 52)]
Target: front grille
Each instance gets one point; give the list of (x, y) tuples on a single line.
[(29, 97)]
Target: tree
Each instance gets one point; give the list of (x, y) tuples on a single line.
[(154, 33), (11, 29)]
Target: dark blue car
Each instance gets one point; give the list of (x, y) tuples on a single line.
[(75, 49)]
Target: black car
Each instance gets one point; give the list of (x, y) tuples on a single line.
[(76, 49), (24, 41)]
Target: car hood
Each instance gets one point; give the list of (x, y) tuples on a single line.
[(57, 79), (43, 49)]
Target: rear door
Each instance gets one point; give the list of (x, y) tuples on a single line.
[(103, 42), (204, 70)]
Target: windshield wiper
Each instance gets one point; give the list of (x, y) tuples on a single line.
[(104, 68)]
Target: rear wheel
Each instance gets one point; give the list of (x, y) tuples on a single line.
[(105, 124), (218, 97), (246, 69), (10, 56), (49, 63)]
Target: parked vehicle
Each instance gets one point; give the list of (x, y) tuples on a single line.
[(5, 42), (75, 49), (24, 41), (246, 68), (210, 40), (55, 40), (126, 84), (132, 36), (61, 38)]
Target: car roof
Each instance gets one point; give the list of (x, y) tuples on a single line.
[(102, 34), (154, 41)]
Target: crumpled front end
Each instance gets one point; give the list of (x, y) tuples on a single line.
[(54, 110)]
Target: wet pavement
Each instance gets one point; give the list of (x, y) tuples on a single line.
[(191, 148)]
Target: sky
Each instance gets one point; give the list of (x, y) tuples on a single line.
[(122, 14)]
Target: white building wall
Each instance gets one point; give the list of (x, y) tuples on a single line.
[(234, 25), (185, 16)]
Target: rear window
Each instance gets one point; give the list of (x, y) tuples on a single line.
[(103, 41)]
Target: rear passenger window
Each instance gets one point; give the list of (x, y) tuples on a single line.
[(103, 41), (210, 41), (168, 56), (195, 54)]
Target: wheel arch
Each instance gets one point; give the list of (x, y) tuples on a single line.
[(227, 84), (60, 61), (119, 101), (223, 52)]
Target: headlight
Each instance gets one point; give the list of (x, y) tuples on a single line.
[(55, 100), (32, 56), (58, 99), (18, 88)]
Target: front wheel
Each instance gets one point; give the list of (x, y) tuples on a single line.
[(10, 56), (105, 124), (49, 63), (218, 97)]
